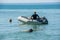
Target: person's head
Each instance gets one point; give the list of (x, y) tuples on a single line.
[(35, 12), (30, 30)]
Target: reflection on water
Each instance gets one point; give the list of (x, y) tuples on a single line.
[(35, 27)]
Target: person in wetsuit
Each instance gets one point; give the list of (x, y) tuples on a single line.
[(34, 16), (30, 30)]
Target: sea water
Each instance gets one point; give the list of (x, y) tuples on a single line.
[(16, 29)]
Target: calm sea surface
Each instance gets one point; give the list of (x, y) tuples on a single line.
[(16, 29)]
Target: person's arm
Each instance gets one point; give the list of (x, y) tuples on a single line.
[(32, 17), (38, 16)]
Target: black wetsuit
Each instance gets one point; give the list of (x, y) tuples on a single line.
[(31, 30), (34, 16)]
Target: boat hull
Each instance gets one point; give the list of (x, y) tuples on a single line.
[(30, 21)]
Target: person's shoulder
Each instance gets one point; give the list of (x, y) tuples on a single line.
[(36, 14)]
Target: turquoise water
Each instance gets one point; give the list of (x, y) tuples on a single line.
[(16, 29), (31, 6)]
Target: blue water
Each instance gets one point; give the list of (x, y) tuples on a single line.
[(16, 29), (31, 6)]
